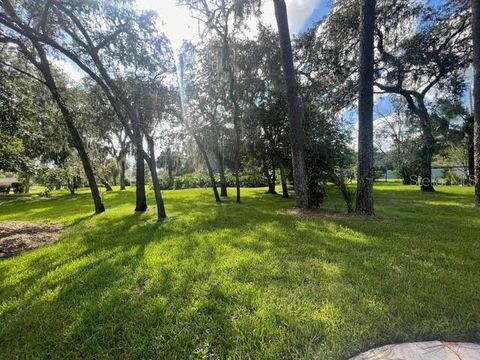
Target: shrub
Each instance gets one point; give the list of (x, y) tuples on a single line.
[(201, 179), (340, 180), (451, 177), (18, 188)]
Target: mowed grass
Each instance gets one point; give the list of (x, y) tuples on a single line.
[(241, 281)]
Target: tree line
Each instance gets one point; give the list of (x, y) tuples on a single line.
[(269, 102)]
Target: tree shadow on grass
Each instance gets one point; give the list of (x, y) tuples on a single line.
[(237, 281)]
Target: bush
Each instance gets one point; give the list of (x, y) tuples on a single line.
[(4, 189), (340, 180), (18, 188), (46, 192), (451, 177), (201, 179)]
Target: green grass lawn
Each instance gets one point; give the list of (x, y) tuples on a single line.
[(241, 281)]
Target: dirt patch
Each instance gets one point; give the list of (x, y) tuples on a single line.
[(17, 236)]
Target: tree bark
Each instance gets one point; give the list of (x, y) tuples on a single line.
[(236, 126), (221, 172), (271, 178), (364, 203), (71, 185), (428, 148), (105, 183), (294, 112), (209, 167), (471, 160), (161, 213), (26, 188), (77, 141), (476, 94), (140, 195), (284, 181), (123, 166)]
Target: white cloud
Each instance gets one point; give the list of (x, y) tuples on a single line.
[(179, 25), (298, 12)]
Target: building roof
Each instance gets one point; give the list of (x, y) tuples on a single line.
[(7, 181)]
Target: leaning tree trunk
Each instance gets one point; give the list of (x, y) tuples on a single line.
[(140, 195), (294, 111), (87, 166), (209, 167), (43, 65), (105, 183), (161, 213), (364, 203), (76, 140), (476, 94)]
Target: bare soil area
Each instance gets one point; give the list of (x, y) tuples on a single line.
[(17, 236)]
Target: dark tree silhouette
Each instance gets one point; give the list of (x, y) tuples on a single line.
[(476, 93), (294, 112), (364, 202)]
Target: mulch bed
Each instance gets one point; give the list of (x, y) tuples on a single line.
[(17, 236)]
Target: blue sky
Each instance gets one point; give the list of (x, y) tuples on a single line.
[(321, 10), (383, 105)]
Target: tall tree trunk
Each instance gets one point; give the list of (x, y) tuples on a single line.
[(428, 148), (26, 188), (72, 129), (364, 203), (236, 126), (161, 213), (221, 172), (209, 167), (169, 167), (283, 177), (427, 156), (140, 195), (123, 166), (271, 178), (198, 140), (294, 112), (71, 185), (476, 94), (43, 65), (82, 153), (471, 160)]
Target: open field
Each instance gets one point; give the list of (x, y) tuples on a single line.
[(241, 281)]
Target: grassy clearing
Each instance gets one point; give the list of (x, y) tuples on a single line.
[(241, 281)]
